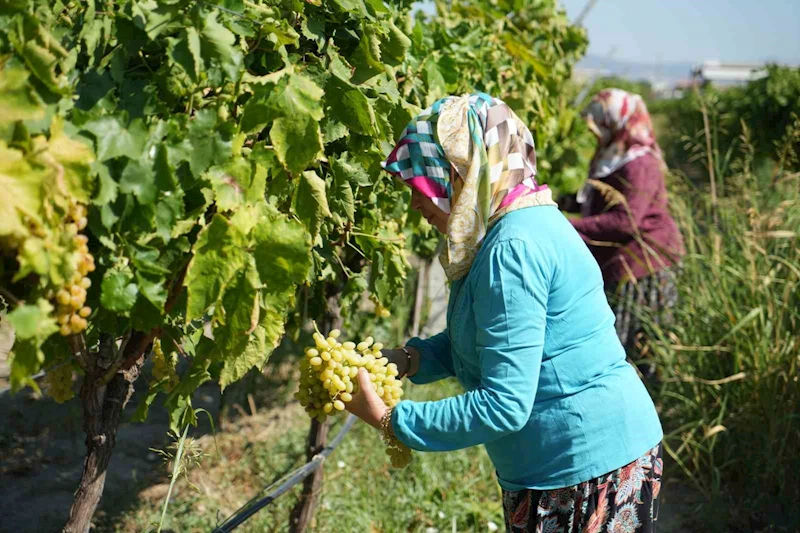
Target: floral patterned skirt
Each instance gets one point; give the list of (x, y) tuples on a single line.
[(623, 501)]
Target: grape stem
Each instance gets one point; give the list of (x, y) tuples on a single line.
[(376, 237), (143, 340)]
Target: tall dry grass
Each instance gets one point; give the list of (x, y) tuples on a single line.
[(729, 392)]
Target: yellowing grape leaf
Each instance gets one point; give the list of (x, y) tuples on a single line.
[(22, 188), (282, 250), (71, 159), (261, 343), (33, 321), (218, 255), (18, 99)]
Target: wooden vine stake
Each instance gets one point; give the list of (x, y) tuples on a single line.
[(303, 512)]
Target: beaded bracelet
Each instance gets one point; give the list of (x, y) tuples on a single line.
[(387, 434), (398, 452)]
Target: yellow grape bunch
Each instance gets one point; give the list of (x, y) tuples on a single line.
[(71, 311), (164, 366), (58, 383), (380, 310), (328, 374), (328, 379)]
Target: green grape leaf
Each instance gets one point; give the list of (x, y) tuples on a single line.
[(185, 51), (169, 210), (138, 179), (355, 8), (205, 146), (26, 359), (282, 251), (107, 189), (115, 139), (434, 80), (367, 58), (218, 42), (144, 315), (152, 288), (332, 130), (289, 96), (294, 107), (143, 409), (118, 292), (281, 31), (395, 46), (311, 202), (348, 169), (218, 254), (297, 141), (342, 201), (337, 65), (313, 29), (33, 321), (350, 106)]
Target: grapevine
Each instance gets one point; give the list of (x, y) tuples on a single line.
[(223, 166), (328, 380)]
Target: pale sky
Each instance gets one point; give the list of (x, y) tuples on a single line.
[(693, 30)]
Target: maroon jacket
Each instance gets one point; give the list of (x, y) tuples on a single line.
[(609, 231)]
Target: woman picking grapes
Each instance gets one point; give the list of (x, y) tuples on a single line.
[(570, 428), (636, 242)]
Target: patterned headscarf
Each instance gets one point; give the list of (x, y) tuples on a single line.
[(494, 157), (622, 124)]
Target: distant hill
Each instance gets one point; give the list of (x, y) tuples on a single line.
[(658, 72)]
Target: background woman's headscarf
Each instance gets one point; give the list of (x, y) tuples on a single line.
[(494, 157), (622, 124)]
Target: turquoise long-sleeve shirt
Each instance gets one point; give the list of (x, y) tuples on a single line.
[(530, 336)]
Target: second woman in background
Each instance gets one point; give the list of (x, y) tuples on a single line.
[(625, 217)]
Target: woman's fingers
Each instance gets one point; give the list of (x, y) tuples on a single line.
[(364, 382)]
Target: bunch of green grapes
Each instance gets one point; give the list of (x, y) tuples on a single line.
[(58, 383), (328, 374), (164, 366), (380, 310), (399, 454), (72, 312), (328, 379)]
